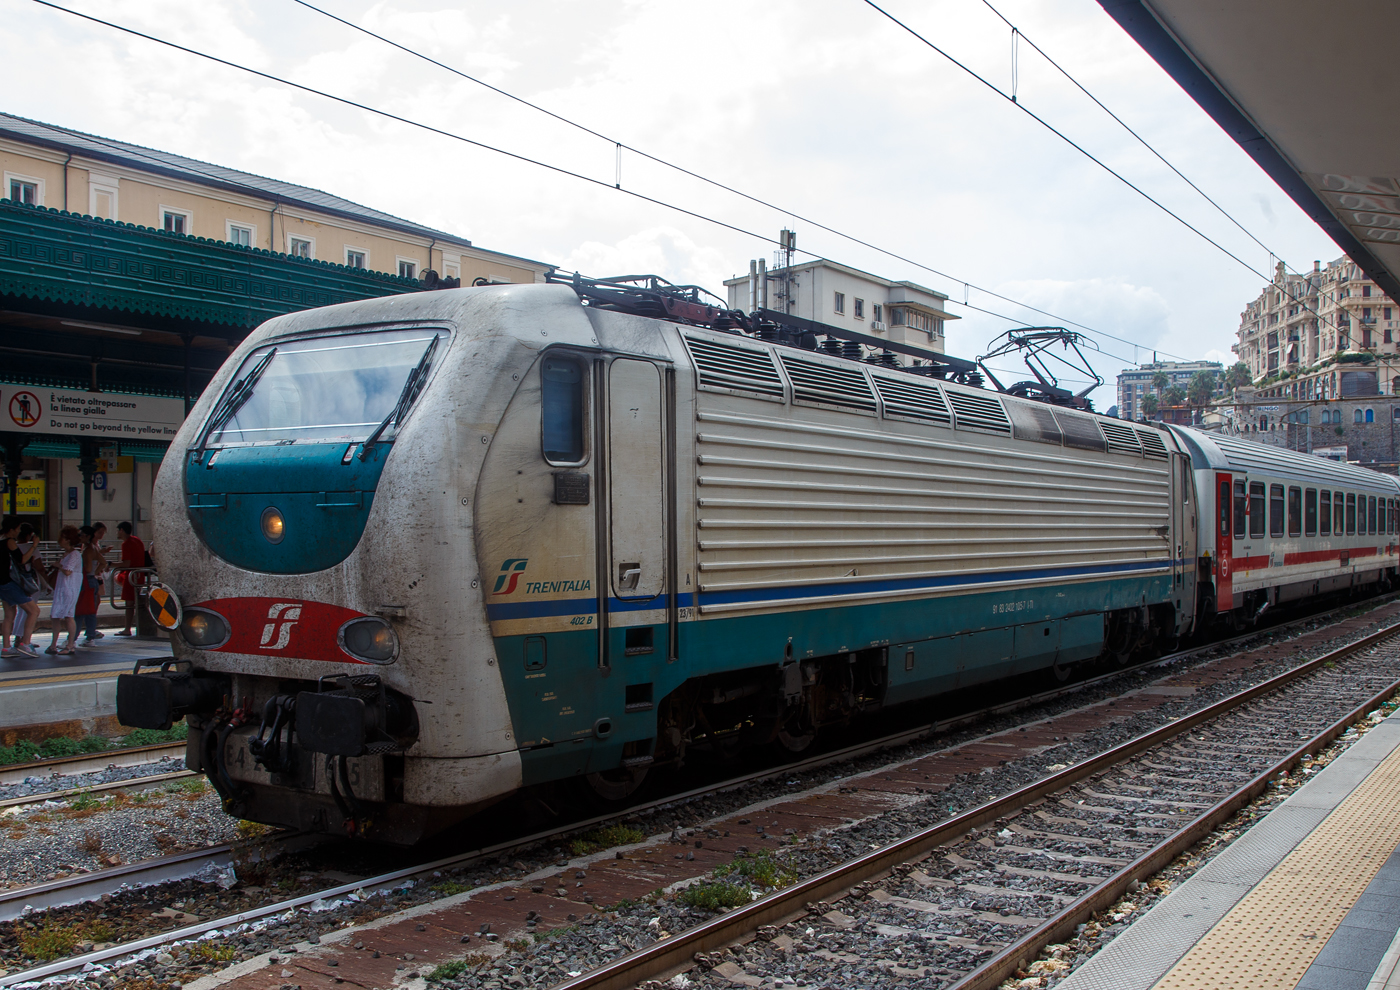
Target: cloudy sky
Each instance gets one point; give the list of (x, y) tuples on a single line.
[(821, 107)]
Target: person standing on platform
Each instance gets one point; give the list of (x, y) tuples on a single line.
[(91, 597), (13, 594), (67, 580), (31, 577), (133, 556)]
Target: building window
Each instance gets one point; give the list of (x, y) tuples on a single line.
[(174, 221), (102, 195), (452, 270), (1366, 291), (1356, 416), (408, 269), (1387, 312), (355, 258), (24, 189), (859, 312), (878, 313), (1370, 415), (838, 303), (241, 234), (301, 247)]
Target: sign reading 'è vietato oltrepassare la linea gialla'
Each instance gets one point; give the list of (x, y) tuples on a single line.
[(73, 413)]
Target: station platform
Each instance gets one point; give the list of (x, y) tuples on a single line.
[(1309, 898), (74, 695)]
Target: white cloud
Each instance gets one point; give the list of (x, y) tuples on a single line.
[(819, 106)]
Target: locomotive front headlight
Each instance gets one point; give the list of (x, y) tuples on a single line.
[(204, 629), (273, 525), (370, 639)]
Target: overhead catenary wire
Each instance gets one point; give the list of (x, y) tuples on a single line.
[(524, 158), (1071, 142), (1017, 34), (622, 145)]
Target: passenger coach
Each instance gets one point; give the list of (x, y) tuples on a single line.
[(1287, 525)]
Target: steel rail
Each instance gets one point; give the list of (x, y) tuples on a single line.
[(125, 756), (130, 784), (92, 884), (675, 954)]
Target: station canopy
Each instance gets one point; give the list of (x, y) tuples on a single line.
[(1297, 84)]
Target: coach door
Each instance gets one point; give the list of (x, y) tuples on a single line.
[(1224, 596), (635, 513)]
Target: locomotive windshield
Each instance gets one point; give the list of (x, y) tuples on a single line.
[(339, 388)]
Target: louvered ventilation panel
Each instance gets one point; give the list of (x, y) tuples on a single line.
[(978, 412), (726, 367), (1033, 421), (828, 384), (1152, 445), (1081, 432), (911, 398), (1121, 439)]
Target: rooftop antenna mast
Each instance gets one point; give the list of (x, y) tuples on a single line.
[(1034, 345)]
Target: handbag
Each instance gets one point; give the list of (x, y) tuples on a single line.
[(27, 580)]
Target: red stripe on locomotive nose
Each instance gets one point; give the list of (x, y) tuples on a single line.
[(283, 627)]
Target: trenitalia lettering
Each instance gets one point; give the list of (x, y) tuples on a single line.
[(555, 587)]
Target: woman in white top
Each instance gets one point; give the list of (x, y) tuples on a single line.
[(67, 580)]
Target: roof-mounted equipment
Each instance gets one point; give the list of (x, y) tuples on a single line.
[(1034, 343)]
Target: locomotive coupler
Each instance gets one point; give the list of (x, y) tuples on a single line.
[(157, 701)]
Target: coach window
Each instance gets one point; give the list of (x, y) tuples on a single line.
[(1295, 511), (561, 410), (1310, 512), (1351, 514), (1275, 510), (1256, 509), (1324, 521), (1241, 507), (1371, 515), (1339, 513)]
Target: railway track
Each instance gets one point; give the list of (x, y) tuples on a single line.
[(76, 889), (127, 756), (1059, 849)]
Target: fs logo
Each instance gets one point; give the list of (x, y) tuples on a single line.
[(283, 616), (511, 569)]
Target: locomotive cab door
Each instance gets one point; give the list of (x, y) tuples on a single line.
[(636, 555)]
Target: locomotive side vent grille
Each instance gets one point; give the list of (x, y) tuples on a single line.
[(981, 413), (1121, 439), (1152, 445), (828, 384), (1081, 432), (726, 367), (913, 399), (1034, 422)]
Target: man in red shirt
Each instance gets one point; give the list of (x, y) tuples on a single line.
[(133, 555)]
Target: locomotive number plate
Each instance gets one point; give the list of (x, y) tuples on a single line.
[(366, 774)]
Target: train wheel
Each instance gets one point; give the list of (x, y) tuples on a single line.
[(794, 738), (1061, 671), (612, 786)]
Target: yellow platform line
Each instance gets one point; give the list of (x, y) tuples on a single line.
[(87, 675), (1270, 938)]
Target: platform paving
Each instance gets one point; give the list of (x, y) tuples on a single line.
[(1307, 898)]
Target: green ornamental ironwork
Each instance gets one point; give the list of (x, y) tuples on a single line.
[(63, 257)]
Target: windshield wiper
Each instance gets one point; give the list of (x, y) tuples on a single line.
[(411, 388), (239, 394)]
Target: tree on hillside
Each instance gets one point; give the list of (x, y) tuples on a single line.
[(1201, 389), (1238, 376)]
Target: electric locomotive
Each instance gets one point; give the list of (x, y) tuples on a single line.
[(423, 551)]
